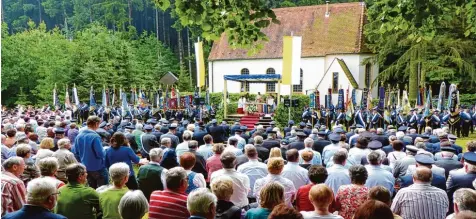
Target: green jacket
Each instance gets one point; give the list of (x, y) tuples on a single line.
[(149, 179), (109, 201), (77, 201)]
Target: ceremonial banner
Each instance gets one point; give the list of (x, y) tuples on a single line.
[(365, 96), (124, 107), (326, 101), (159, 93), (207, 97), (56, 102), (92, 100), (346, 98), (75, 96), (167, 98), (172, 103), (104, 98), (132, 96), (427, 103), (450, 99), (178, 99), (200, 62), (381, 96), (420, 97), (369, 99), (329, 96), (67, 102), (114, 96), (318, 99), (291, 60), (312, 100), (405, 103), (441, 97), (340, 99), (354, 97)]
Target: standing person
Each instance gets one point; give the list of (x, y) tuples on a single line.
[(329, 150), (31, 169), (120, 152), (241, 182), (421, 200), (350, 197), (360, 150), (321, 197), (171, 134), (76, 200), (377, 175), (151, 176), (48, 167), (109, 199), (148, 141), (316, 158), (206, 149), (397, 153), (88, 150), (13, 189), (65, 157), (338, 172)]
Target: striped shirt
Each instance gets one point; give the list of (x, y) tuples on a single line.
[(13, 192), (421, 201), (168, 204)]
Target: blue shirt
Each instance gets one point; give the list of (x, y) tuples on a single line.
[(32, 211), (257, 213), (88, 150), (338, 176), (122, 154), (378, 176)]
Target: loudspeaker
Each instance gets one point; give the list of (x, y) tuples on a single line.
[(295, 103), (287, 102)]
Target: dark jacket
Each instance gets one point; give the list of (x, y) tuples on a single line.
[(218, 133), (458, 181), (299, 145), (263, 153), (448, 164), (149, 141), (271, 143), (200, 164), (437, 181), (320, 144), (382, 139), (149, 179), (198, 136), (32, 211)]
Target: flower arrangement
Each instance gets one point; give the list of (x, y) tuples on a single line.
[(251, 109)]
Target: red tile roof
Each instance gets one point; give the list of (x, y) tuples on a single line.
[(340, 33)]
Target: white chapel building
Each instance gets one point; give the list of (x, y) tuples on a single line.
[(333, 50)]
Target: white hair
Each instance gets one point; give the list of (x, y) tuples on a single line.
[(465, 199), (379, 130), (7, 164), (308, 142), (470, 167), (157, 126), (293, 132), (39, 189), (63, 142), (133, 205), (259, 127), (165, 141), (48, 166), (191, 127), (139, 126), (412, 131), (400, 135), (199, 201), (118, 171), (428, 129), (156, 153)]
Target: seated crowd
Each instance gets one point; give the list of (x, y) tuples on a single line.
[(323, 175)]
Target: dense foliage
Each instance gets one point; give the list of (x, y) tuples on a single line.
[(36, 59)]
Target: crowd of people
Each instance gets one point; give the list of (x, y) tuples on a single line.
[(55, 168)]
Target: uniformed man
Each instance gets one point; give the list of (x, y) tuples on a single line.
[(400, 119), (447, 159), (423, 160), (340, 118), (299, 144), (59, 134), (171, 134), (234, 127), (375, 121), (412, 119), (200, 133), (435, 120), (271, 126), (462, 179), (149, 141), (271, 141), (217, 132), (245, 136), (130, 138), (465, 122)]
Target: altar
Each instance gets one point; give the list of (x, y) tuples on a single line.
[(252, 107)]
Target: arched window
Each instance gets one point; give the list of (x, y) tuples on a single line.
[(297, 88), (270, 86), (245, 86)]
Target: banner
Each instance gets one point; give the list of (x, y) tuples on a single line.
[(450, 99), (420, 97), (75, 96), (354, 97), (92, 100), (329, 101), (381, 96), (427, 103), (291, 60), (67, 102), (441, 97), (326, 101), (312, 100), (318, 99), (124, 106), (200, 62), (340, 99), (56, 102), (364, 101), (104, 98), (405, 103)]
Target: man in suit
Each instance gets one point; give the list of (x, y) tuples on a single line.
[(321, 142), (226, 127), (447, 160), (263, 153), (171, 134), (244, 135), (423, 160), (200, 162), (149, 141), (42, 197), (200, 133), (271, 126), (288, 128), (234, 127), (389, 148), (130, 138), (460, 179), (380, 136), (217, 132), (271, 142), (299, 144), (156, 132)]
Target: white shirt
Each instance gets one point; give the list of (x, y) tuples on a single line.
[(394, 156), (198, 179), (241, 185), (205, 150), (338, 175), (296, 174), (289, 190), (254, 170), (314, 215), (356, 154), (43, 153), (234, 150), (329, 151), (181, 148)]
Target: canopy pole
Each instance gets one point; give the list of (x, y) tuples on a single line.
[(224, 99), (290, 101), (278, 98)]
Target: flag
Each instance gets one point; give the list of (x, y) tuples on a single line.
[(381, 96), (450, 99), (350, 107), (114, 95), (340, 99), (125, 106), (329, 96), (354, 97), (369, 99), (318, 99), (67, 102), (312, 100), (104, 98), (291, 60), (207, 97), (92, 100), (441, 97), (427, 103), (405, 103), (364, 101), (178, 98), (200, 61)]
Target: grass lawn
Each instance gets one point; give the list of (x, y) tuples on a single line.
[(462, 141)]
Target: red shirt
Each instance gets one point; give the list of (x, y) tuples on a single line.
[(302, 198), (213, 164), (168, 204)]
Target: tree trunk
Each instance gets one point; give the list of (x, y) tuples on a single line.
[(129, 4), (189, 55), (163, 26), (180, 48), (157, 23), (90, 12), (39, 10)]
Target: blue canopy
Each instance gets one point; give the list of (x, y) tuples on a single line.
[(263, 78)]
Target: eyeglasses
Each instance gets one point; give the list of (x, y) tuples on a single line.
[(56, 193)]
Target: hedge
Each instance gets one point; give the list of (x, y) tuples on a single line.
[(281, 115)]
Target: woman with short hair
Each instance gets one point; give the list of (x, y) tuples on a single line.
[(397, 152), (195, 180), (360, 150), (275, 153), (213, 162), (373, 209), (275, 167), (48, 168), (222, 187), (270, 196), (133, 205), (110, 197), (350, 197), (45, 149), (321, 196)]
